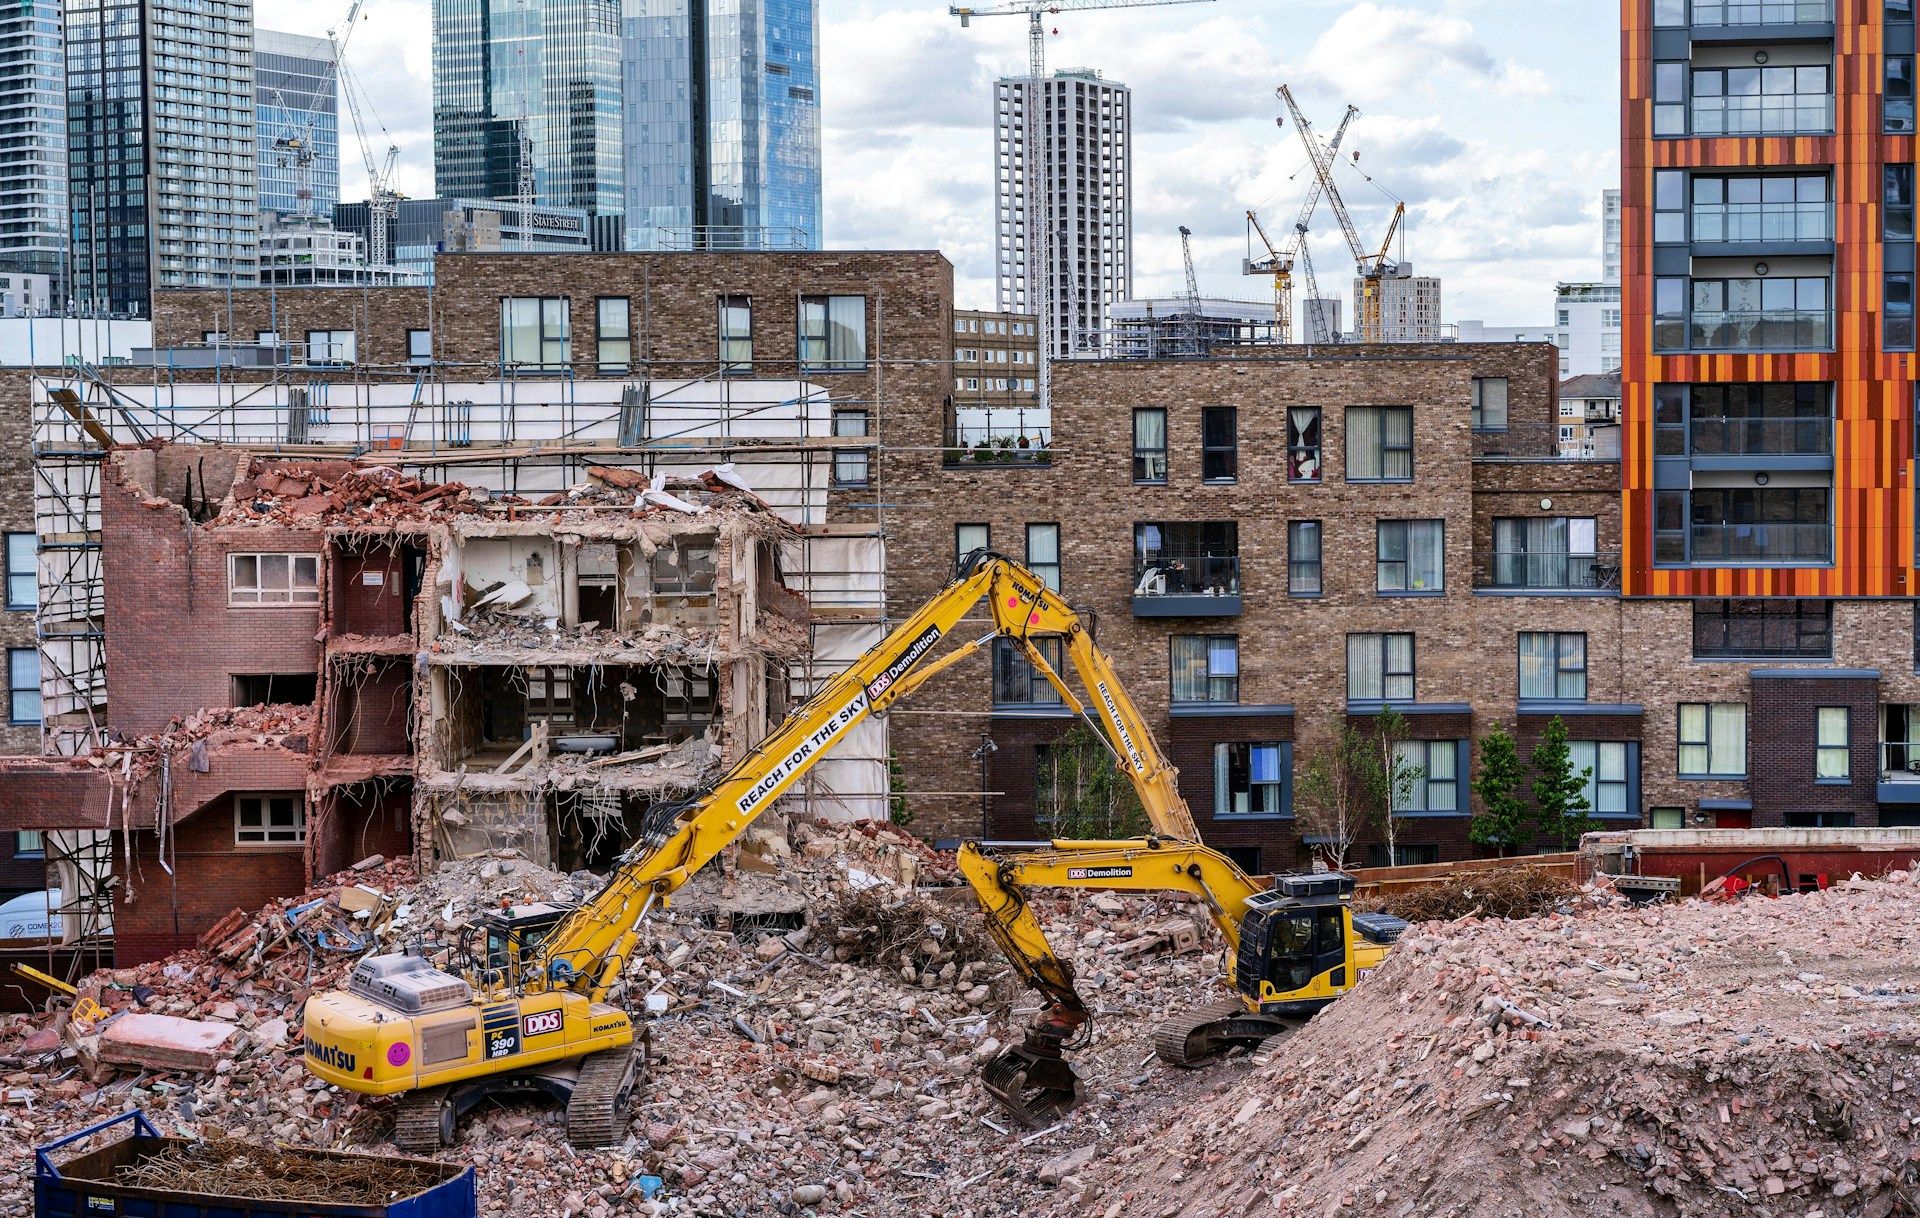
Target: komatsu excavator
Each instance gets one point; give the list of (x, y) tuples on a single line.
[(1293, 945), (527, 999)]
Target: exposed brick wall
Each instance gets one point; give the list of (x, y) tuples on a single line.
[(375, 707), (355, 822), (1782, 733), (155, 914), (368, 591), (379, 317), (1190, 746), (16, 516)]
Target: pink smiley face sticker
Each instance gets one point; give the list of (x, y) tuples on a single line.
[(399, 1053)]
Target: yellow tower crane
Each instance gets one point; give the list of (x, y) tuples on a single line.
[(1372, 267), (1279, 263)]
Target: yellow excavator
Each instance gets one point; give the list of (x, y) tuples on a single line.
[(527, 998), (1294, 944)]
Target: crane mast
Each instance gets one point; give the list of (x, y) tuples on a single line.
[(1193, 344), (1279, 263), (381, 196), (1371, 267)]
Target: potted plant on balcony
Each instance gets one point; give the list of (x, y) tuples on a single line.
[(1003, 450)]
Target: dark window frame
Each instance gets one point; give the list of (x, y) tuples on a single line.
[(1382, 530), (986, 539), (1724, 615), (14, 574), (1480, 421), (1281, 784), (414, 354), (1386, 450), (1306, 444), (553, 340), (16, 692), (1297, 566), (1145, 456), (618, 342), (1387, 673), (852, 467), (1219, 460), (1016, 682), (816, 348), (1823, 751), (1038, 567), (735, 348), (1706, 742), (1222, 689), (1561, 670), (1424, 783)]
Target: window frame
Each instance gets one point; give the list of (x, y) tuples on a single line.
[(414, 354), (1706, 742), (618, 341), (1301, 451), (17, 691), (1597, 783), (1561, 670), (265, 841), (1405, 530), (552, 340), (1478, 416), (294, 558), (852, 467), (1726, 620), (815, 350), (1007, 661), (960, 549), (1385, 450), (335, 343), (1424, 782), (1825, 751), (1214, 455), (1386, 674), (1296, 531), (9, 566), (1143, 473), (1281, 784), (1215, 681), (1048, 571), (730, 343), (29, 844)]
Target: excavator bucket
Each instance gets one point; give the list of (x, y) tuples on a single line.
[(1034, 1087)]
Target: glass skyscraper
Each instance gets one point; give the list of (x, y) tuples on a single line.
[(722, 123), (33, 142), (294, 82), (546, 71), (160, 157)]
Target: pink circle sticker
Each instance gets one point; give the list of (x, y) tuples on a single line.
[(398, 1053)]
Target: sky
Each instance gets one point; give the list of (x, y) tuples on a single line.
[(1477, 113)]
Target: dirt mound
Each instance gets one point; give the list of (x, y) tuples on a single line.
[(1688, 1060)]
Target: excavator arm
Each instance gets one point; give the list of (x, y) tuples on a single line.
[(590, 948)]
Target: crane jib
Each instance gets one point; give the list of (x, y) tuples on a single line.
[(823, 737)]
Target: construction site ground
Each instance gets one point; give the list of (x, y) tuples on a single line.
[(1692, 1060)]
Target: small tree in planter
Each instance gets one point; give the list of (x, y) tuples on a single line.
[(1329, 794), (1559, 792), (1502, 823), (1390, 777)]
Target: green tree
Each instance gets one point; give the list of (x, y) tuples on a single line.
[(1559, 792), (1389, 777), (1329, 793), (1502, 822), (1083, 794), (897, 810)]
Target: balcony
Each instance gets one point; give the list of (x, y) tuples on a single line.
[(1762, 542), (1798, 437), (1753, 330), (1720, 13), (1183, 582), (1550, 571), (1009, 443), (1762, 223), (1763, 114)]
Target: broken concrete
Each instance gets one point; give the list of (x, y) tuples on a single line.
[(164, 1042)]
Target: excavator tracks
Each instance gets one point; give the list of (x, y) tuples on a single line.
[(598, 1112), (423, 1121), (1189, 1040)]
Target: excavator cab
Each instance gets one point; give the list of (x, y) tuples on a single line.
[(1301, 945), (513, 938)]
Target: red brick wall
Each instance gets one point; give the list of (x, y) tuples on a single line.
[(374, 707), (356, 822), (155, 914), (369, 592), (1781, 735)]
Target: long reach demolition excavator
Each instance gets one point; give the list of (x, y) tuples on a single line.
[(529, 997)]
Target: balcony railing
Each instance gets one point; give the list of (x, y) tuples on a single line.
[(1759, 330), (1186, 583), (1522, 570), (1762, 437), (996, 446), (1763, 114), (1758, 222), (1762, 12), (1772, 541)]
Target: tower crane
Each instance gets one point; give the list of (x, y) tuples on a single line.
[(1279, 263), (1036, 282), (381, 196), (295, 148), (1193, 345), (1372, 267), (1317, 331)]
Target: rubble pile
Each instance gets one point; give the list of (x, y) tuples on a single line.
[(1507, 892), (299, 493), (1680, 1061), (784, 1079)]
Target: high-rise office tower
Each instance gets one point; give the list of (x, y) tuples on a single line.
[(297, 123), (1085, 153), (33, 143), (1768, 391), (1610, 236), (722, 124), (160, 157), (526, 98)]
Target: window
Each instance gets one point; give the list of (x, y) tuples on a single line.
[(419, 346), (1553, 552), (29, 844), (1667, 13), (22, 571), (684, 567), (1669, 206), (1380, 444), (1788, 417), (1605, 763), (1380, 668), (1206, 668), (613, 338), (1043, 553), (1733, 628), (1250, 779), (269, 820), (1768, 100), (1219, 451), (1186, 558), (736, 334), (968, 538), (833, 333), (536, 331), (1489, 403), (1303, 444), (1896, 106), (1667, 818), (1833, 748), (1670, 97), (1436, 783), (1899, 10), (23, 685), (1897, 319), (1553, 666), (264, 689), (1670, 528), (1303, 558), (1016, 682), (1760, 207), (1896, 201), (1761, 524), (1150, 446), (1779, 312), (330, 346), (273, 579), (1411, 556), (1670, 314), (851, 465), (550, 694), (1713, 740)]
